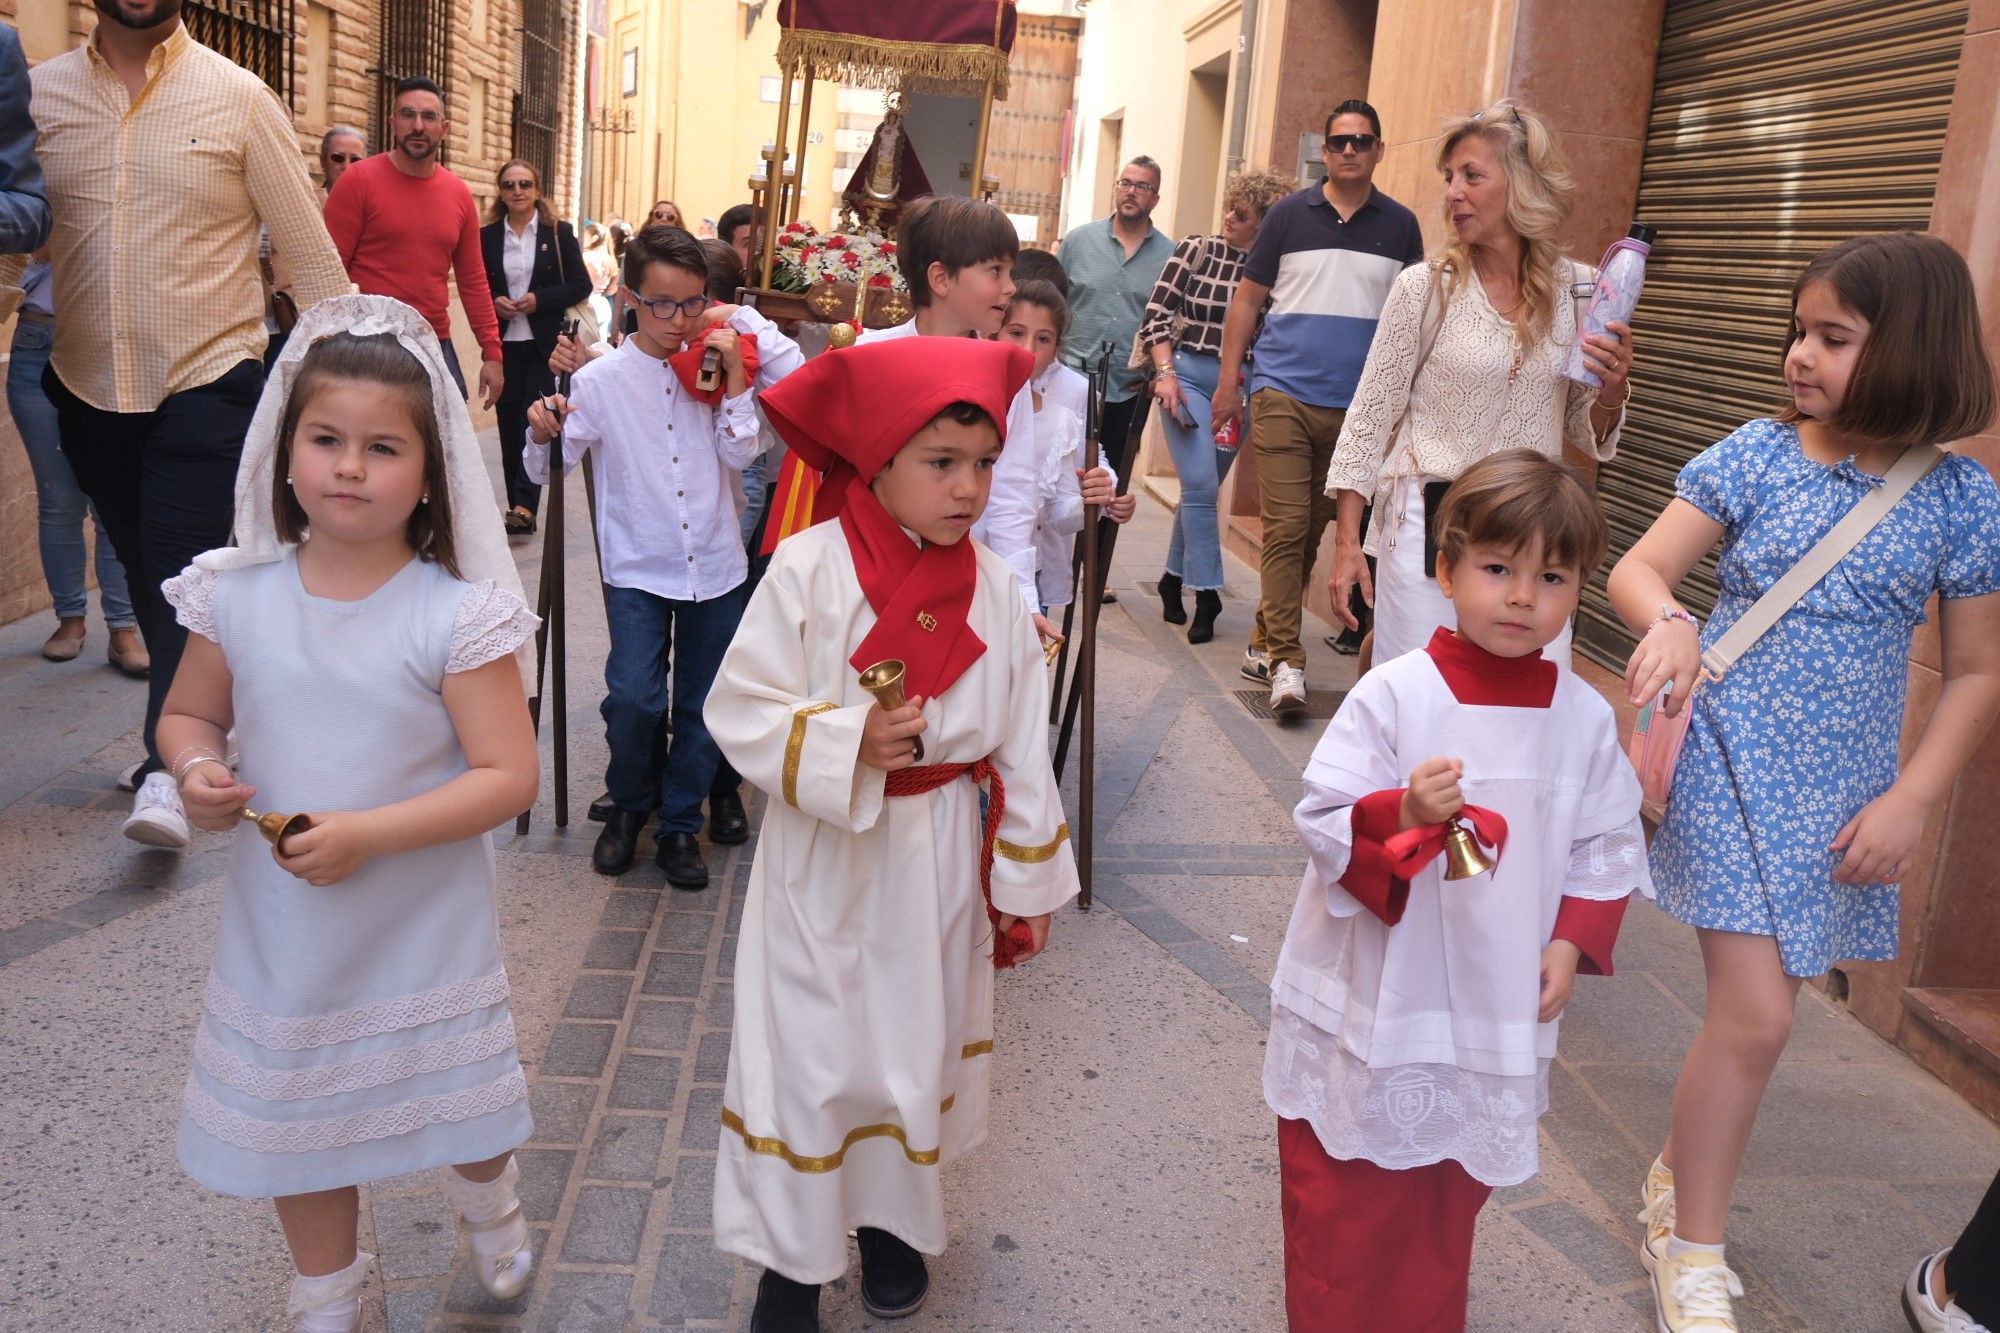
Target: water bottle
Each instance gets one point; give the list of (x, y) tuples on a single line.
[(1620, 275)]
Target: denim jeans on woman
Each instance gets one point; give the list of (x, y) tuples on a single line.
[(61, 503), (1194, 549)]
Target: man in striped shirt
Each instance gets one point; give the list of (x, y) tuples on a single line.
[(162, 158), (1326, 259)]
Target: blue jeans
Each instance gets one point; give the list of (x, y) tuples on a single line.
[(1194, 548), (61, 502), (643, 630)]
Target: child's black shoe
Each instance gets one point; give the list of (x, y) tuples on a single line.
[(894, 1280), (785, 1306)]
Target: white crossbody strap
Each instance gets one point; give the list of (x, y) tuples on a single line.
[(1844, 536)]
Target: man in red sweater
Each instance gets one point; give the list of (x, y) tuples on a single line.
[(402, 222)]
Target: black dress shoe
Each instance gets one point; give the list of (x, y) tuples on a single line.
[(727, 824), (619, 842), (1207, 606), (894, 1280), (679, 855), (785, 1306), (1172, 609)]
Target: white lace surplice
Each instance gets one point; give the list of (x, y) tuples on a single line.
[(1416, 1043)]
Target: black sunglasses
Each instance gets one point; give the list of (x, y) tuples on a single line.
[(1360, 143)]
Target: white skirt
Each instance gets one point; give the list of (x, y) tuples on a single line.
[(1409, 607)]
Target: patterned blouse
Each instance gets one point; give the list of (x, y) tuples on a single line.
[(1196, 284)]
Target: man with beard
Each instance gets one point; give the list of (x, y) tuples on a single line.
[(162, 158), (402, 223), (1112, 265)]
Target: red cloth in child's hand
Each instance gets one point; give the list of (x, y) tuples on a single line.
[(686, 364)]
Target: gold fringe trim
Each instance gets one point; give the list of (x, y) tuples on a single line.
[(976, 1048), (794, 744), (871, 62), (815, 1166), (1013, 851)]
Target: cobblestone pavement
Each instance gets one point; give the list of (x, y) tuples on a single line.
[(1129, 1182)]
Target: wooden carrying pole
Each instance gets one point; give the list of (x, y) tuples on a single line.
[(551, 654), (1089, 591)]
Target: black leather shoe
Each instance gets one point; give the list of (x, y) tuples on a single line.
[(894, 1280), (1207, 606), (785, 1306), (1172, 609), (619, 842), (679, 855), (727, 824)]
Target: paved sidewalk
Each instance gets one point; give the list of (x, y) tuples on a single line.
[(1130, 1179)]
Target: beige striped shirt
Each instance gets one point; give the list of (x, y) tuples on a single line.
[(157, 200)]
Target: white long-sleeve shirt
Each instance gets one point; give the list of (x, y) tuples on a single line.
[(1007, 528), (667, 465)]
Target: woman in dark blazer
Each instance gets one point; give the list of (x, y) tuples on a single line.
[(536, 271)]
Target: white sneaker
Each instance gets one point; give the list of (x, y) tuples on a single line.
[(1658, 1214), (1957, 1320), (1288, 690), (128, 778), (1256, 666), (157, 817), (1691, 1293), (1919, 1306)]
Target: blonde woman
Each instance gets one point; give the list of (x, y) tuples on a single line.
[(1182, 331), (1499, 297)]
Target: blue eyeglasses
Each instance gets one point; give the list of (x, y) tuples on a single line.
[(666, 307)]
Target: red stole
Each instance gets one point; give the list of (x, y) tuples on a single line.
[(921, 597)]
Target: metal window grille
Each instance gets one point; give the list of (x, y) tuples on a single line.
[(416, 43), (539, 100), (256, 34)]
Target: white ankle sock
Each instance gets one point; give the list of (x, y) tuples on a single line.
[(1676, 1247), (489, 1201), (329, 1302)]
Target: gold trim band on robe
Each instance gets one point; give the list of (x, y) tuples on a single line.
[(794, 745), (1014, 851), (814, 1166)]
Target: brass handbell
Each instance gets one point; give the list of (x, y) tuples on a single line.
[(1463, 857), (884, 680), (276, 828)]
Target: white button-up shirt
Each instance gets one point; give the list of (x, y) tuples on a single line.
[(668, 465), (517, 261), (1007, 528)]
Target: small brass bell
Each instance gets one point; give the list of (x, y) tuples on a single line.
[(1463, 857), (276, 828), (884, 680)]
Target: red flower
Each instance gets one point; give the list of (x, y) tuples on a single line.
[(826, 277), (851, 260), (836, 242), (889, 248), (881, 280)]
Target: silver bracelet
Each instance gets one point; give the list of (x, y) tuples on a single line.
[(184, 764)]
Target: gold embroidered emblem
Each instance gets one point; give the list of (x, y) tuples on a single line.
[(927, 622)]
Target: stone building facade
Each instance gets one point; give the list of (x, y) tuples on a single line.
[(510, 73)]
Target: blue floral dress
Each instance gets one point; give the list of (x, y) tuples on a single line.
[(1805, 729)]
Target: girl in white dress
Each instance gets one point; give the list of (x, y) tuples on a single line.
[(362, 640)]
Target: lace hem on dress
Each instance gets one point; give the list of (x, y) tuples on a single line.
[(342, 1131), (192, 595), (368, 1020), (282, 1085), (491, 622), (1404, 1116)]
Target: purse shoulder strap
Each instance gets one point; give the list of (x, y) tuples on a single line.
[(1816, 564)]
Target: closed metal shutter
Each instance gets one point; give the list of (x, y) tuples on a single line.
[(1778, 129)]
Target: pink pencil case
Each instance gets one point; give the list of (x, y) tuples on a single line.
[(1656, 745)]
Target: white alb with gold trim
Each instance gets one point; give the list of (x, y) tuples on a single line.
[(864, 981)]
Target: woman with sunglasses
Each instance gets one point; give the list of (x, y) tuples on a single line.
[(1498, 306), (1182, 332), (536, 271)]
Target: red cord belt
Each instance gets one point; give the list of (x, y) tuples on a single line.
[(1008, 945)]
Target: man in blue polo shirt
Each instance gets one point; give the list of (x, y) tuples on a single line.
[(1325, 259)]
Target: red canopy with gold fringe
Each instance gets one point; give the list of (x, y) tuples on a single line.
[(873, 44)]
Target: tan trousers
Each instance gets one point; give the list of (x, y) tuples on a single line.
[(1293, 444)]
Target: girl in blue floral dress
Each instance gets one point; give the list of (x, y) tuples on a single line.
[(1790, 824)]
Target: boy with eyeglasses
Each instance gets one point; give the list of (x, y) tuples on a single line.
[(672, 558)]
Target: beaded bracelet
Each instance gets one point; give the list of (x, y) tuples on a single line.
[(1671, 612)]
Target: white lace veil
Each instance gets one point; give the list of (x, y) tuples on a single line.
[(477, 535)]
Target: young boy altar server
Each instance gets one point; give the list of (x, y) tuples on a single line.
[(1413, 1019), (881, 900)]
